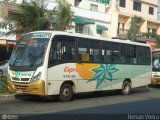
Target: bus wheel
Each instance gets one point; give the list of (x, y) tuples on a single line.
[(66, 92), (126, 88)]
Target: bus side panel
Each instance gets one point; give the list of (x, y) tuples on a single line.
[(59, 74), (95, 77), (116, 74)]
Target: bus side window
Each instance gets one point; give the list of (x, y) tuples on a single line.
[(106, 52), (140, 55), (63, 50), (83, 50), (133, 55), (144, 57), (53, 54), (148, 56), (95, 53), (126, 54), (115, 53)]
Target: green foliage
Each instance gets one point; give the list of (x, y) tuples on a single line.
[(158, 41), (132, 33), (3, 86), (30, 18), (62, 17), (151, 35)]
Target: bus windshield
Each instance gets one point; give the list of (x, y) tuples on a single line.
[(30, 50), (156, 60)]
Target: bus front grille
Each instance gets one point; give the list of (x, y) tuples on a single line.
[(25, 79), (20, 79), (20, 87)]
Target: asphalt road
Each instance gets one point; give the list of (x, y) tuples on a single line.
[(140, 101)]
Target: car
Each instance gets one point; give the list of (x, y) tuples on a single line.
[(4, 68)]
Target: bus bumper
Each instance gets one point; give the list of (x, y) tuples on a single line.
[(34, 88), (155, 81)]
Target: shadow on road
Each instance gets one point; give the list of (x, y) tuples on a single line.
[(96, 94), (120, 111), (154, 86)]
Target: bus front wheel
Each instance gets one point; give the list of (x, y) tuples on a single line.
[(126, 88), (66, 92)]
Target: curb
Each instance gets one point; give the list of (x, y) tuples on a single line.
[(6, 96)]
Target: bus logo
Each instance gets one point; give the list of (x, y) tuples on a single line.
[(71, 70)]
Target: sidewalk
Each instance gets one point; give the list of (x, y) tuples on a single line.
[(4, 93), (6, 96)]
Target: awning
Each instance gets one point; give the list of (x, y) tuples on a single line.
[(79, 20), (101, 27)]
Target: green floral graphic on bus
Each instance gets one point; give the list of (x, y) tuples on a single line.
[(102, 73)]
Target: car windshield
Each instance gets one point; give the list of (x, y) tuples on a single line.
[(30, 50)]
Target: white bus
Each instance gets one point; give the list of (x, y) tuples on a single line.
[(59, 63), (156, 67)]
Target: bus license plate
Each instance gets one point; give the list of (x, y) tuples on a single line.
[(19, 91)]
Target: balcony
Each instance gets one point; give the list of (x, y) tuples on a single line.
[(123, 33)]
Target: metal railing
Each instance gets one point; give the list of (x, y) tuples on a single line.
[(123, 34)]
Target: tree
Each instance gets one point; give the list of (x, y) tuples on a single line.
[(62, 17), (29, 18), (32, 17), (132, 33)]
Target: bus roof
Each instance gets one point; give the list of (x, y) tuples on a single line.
[(93, 37)]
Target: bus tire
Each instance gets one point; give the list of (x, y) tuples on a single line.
[(126, 88), (66, 92)]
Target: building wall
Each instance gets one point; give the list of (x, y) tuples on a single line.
[(145, 4), (83, 10), (86, 4), (121, 16)]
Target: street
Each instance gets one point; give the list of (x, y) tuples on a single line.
[(141, 101)]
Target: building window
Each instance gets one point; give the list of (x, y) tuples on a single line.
[(99, 31), (94, 8), (149, 29), (79, 28), (151, 10), (137, 6), (122, 3), (76, 3), (154, 31)]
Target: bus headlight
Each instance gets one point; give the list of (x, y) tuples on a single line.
[(36, 77)]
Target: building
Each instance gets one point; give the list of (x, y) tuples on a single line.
[(123, 10), (90, 16), (113, 17), (103, 18), (94, 12), (7, 41)]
